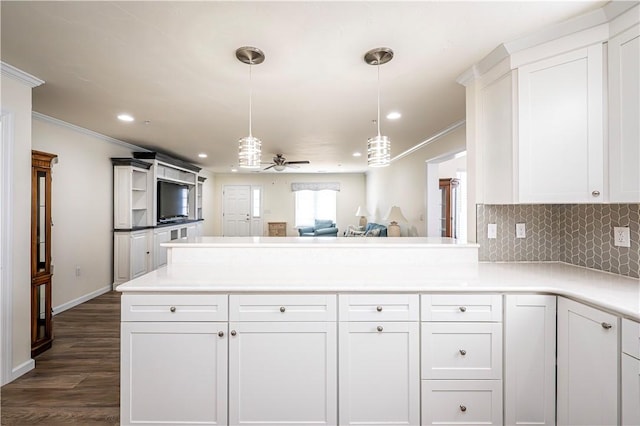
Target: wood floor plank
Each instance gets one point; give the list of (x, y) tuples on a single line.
[(77, 381)]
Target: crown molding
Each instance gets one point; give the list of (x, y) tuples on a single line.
[(78, 129), (450, 128), (17, 74)]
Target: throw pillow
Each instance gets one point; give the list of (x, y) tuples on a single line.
[(373, 233)]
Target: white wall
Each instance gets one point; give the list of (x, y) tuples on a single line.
[(403, 183), (279, 201), (447, 169), (81, 211), (16, 103)]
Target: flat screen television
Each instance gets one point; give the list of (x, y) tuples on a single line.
[(173, 201)]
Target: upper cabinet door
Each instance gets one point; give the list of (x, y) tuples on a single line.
[(624, 110), (561, 157)]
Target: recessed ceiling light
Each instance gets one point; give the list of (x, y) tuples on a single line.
[(234, 170), (202, 155), (357, 154), (125, 117), (394, 115)]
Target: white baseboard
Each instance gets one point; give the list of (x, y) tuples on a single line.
[(75, 302), (23, 368)]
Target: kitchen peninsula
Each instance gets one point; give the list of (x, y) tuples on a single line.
[(340, 331)]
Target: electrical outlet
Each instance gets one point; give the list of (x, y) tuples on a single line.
[(621, 236), (521, 230), (492, 231), (77, 271)]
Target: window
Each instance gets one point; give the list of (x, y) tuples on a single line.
[(311, 205)]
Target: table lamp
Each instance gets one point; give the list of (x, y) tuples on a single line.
[(394, 216), (363, 213)]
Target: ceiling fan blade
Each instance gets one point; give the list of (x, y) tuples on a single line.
[(293, 166), (298, 162), (267, 168)]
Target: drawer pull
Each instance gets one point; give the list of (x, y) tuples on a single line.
[(463, 352), (596, 193), (379, 309), (221, 333), (233, 332), (606, 325), (463, 309), (172, 309), (463, 408), (380, 328), (282, 309)]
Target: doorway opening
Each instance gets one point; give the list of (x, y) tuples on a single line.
[(447, 196)]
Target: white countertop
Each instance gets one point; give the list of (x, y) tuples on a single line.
[(612, 292)]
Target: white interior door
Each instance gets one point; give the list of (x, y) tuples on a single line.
[(236, 211)]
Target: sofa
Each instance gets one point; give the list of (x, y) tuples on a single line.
[(371, 230), (320, 228)]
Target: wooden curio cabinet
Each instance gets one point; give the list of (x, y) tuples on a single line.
[(448, 199), (41, 324)]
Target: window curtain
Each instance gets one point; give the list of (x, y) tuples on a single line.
[(315, 186)]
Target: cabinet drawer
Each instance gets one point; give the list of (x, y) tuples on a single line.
[(172, 307), (285, 307), (631, 338), (461, 351), (462, 307), (462, 402), (378, 307)]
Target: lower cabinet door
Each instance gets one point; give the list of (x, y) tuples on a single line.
[(588, 359), (379, 381), (630, 390), (462, 402), (173, 373), (282, 373)]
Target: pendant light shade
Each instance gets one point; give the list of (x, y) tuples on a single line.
[(378, 147), (249, 147)]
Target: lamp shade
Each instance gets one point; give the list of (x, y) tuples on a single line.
[(395, 215), (362, 211)]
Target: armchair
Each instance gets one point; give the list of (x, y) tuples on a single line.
[(321, 228)]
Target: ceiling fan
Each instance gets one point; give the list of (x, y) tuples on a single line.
[(280, 163)]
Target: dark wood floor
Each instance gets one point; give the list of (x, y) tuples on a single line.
[(77, 381)]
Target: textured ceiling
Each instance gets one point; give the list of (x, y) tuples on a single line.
[(314, 98)]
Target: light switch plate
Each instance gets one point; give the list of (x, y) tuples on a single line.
[(521, 230), (621, 236), (492, 230)]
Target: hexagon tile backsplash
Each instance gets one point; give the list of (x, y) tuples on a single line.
[(580, 234)]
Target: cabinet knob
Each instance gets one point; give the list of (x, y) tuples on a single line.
[(463, 352), (596, 193), (606, 325), (379, 309), (172, 309), (282, 309), (379, 328), (221, 333), (233, 332), (463, 308), (463, 408)]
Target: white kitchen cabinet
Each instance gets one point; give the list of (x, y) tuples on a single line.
[(379, 379), (173, 373), (587, 365), (530, 359), (624, 110), (462, 402), (160, 235), (132, 194), (132, 255), (630, 376), (282, 373), (560, 128)]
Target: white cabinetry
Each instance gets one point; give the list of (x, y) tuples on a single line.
[(624, 110), (379, 359), (461, 352), (282, 363), (132, 255), (630, 373), (132, 194), (530, 360), (173, 360), (560, 121), (587, 365)]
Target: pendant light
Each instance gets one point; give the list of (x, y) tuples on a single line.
[(378, 147), (249, 147)]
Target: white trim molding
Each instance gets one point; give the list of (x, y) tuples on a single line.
[(6, 256), (17, 74), (42, 117), (450, 128), (22, 369), (80, 300)]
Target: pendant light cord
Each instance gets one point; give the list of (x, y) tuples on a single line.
[(378, 121), (250, 98)]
